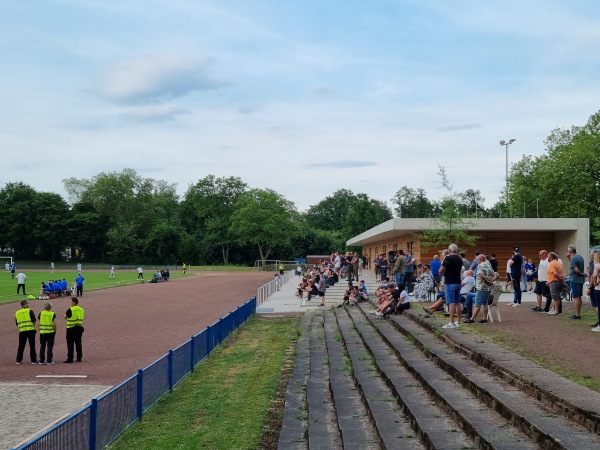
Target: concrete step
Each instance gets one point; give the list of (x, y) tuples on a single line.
[(461, 408), (529, 415), (391, 422), (562, 396), (356, 426)]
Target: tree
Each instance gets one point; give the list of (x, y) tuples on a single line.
[(162, 244), (563, 182), (450, 226), (412, 203), (471, 202), (264, 218), (209, 205), (351, 213)]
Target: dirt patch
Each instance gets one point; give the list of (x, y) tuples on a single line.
[(129, 327)]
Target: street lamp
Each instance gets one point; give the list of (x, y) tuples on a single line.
[(506, 144)]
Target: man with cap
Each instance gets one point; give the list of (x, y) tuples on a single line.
[(25, 319), (515, 273), (74, 316)]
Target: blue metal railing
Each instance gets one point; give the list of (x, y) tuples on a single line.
[(106, 417)]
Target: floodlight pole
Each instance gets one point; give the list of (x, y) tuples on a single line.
[(506, 144)]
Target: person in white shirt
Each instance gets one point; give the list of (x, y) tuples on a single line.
[(112, 273), (21, 277), (541, 288)]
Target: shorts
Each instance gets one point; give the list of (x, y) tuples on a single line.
[(481, 298), (576, 289), (540, 288), (452, 293), (555, 288), (321, 294), (508, 277)]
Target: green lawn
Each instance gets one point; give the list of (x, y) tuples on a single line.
[(93, 281), (227, 403)]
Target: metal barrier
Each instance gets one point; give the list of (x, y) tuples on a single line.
[(265, 291), (105, 418)]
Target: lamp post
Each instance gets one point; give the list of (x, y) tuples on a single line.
[(506, 144)]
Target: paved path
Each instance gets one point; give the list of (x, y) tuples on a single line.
[(46, 405)]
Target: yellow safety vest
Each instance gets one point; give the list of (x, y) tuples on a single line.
[(46, 325), (281, 267), (76, 318), (24, 320)]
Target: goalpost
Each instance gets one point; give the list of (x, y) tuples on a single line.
[(3, 262)]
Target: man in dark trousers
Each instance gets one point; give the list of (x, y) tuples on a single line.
[(74, 316), (25, 319), (515, 274)]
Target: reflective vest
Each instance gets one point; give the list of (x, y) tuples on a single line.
[(24, 320), (46, 325), (281, 267), (76, 318)]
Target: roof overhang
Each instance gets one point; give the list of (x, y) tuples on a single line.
[(397, 227)]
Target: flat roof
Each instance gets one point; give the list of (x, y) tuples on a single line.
[(396, 227)]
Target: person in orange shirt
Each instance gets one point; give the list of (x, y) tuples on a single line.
[(555, 281)]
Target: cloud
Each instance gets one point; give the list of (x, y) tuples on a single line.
[(247, 110), (153, 113), (466, 126), (342, 164), (322, 90), (159, 77)]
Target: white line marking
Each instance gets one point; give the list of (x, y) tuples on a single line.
[(61, 376)]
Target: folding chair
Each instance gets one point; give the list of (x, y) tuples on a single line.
[(493, 302)]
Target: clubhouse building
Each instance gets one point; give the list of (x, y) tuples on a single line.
[(497, 236)]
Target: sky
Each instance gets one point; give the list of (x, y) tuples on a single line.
[(302, 97)]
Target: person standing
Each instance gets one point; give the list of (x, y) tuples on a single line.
[(79, 285), (555, 281), (74, 316), (399, 267), (356, 265), (79, 268), (515, 274), (21, 277), (435, 265), (25, 320), (485, 281), (409, 271), (52, 267), (576, 279), (47, 328), (541, 288), (112, 272), (451, 268), (13, 269), (140, 273), (184, 268)]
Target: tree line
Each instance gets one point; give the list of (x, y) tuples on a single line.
[(121, 217)]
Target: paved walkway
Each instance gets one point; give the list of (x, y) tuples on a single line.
[(46, 404)]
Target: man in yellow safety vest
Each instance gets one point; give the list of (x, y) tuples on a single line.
[(74, 316), (47, 327), (25, 319)]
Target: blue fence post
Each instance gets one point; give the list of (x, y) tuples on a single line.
[(93, 420), (219, 331), (140, 394), (170, 369), (193, 339), (208, 349)]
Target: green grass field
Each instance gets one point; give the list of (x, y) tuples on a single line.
[(226, 402), (93, 280)]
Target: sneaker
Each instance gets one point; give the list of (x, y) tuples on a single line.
[(427, 310), (50, 363), (575, 317), (456, 324), (596, 324), (468, 321), (483, 321), (68, 361), (552, 313), (537, 308), (593, 329), (517, 304), (18, 364), (34, 363), (450, 325)]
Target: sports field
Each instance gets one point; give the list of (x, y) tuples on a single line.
[(94, 279)]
